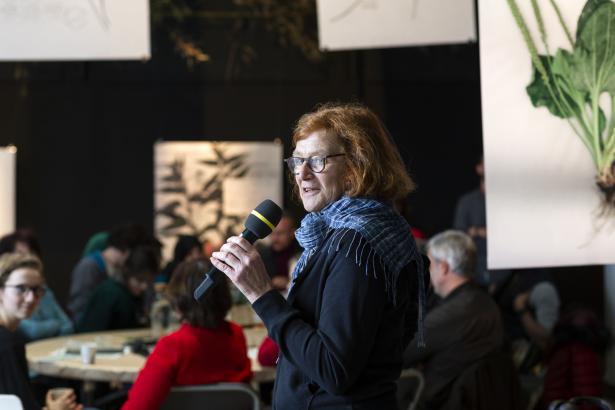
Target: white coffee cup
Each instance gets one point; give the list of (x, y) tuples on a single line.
[(58, 392), (88, 353)]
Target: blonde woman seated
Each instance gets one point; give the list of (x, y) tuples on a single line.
[(206, 348), (21, 289)]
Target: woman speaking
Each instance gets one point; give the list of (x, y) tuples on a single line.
[(352, 306)]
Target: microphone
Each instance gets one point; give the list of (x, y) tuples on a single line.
[(260, 223)]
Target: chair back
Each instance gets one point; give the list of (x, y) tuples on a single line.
[(10, 402), (492, 383), (220, 396), (580, 402), (409, 388)]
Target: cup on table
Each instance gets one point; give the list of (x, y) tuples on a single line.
[(88, 353), (58, 392)]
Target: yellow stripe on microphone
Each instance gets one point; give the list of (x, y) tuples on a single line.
[(262, 218)]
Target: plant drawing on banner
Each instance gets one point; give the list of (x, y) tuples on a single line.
[(578, 84), (182, 211), (206, 189)]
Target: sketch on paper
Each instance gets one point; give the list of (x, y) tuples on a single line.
[(355, 24), (71, 15), (206, 189), (100, 10), (577, 84), (61, 30), (367, 4)]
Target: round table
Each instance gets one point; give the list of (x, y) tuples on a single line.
[(48, 357)]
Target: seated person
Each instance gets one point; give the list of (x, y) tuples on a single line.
[(268, 352), (48, 319), (21, 288), (463, 328), (529, 304), (575, 365), (96, 267), (206, 348), (117, 302), (188, 248), (282, 252)]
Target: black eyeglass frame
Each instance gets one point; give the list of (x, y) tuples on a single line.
[(293, 168), (38, 291)]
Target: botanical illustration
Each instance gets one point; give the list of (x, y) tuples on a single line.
[(577, 83), (193, 195)]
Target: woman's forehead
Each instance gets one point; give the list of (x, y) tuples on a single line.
[(317, 143), (25, 275)]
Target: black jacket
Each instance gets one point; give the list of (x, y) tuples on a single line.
[(341, 339), (463, 329), (14, 369)]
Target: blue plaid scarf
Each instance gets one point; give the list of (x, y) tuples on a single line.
[(388, 234)]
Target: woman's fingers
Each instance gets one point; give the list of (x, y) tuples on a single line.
[(240, 242)]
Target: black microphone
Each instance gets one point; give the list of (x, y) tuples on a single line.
[(260, 223)]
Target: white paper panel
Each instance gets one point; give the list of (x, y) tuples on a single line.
[(356, 24), (543, 206), (209, 188), (74, 29), (7, 190)]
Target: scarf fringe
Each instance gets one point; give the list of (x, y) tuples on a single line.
[(377, 228)]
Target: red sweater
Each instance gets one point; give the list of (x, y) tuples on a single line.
[(268, 352), (191, 355), (573, 370)]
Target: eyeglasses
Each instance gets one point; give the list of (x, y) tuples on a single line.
[(317, 164), (37, 291)]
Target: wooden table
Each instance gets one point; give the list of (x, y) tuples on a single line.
[(48, 358)]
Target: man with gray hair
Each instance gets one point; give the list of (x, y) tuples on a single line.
[(463, 328)]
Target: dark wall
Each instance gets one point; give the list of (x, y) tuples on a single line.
[(85, 131)]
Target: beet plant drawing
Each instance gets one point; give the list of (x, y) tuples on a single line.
[(577, 84)]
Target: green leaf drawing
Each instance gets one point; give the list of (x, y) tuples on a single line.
[(570, 83)]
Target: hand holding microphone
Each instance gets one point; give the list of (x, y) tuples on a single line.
[(239, 260)]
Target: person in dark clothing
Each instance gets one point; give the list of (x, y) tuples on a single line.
[(21, 287), (117, 303), (351, 308), (187, 249), (463, 328), (529, 303), (282, 252), (574, 365), (95, 268)]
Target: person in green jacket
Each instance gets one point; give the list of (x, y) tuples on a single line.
[(117, 302)]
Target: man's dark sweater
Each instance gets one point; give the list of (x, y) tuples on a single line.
[(462, 329)]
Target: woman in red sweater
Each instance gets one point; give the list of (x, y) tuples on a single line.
[(206, 348), (575, 363)]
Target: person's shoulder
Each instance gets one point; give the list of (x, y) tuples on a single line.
[(87, 262), (467, 301), (471, 197), (7, 338)]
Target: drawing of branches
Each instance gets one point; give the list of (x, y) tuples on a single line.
[(182, 209)]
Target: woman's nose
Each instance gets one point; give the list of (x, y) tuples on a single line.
[(304, 171)]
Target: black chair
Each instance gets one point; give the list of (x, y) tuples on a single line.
[(409, 388), (576, 403), (492, 383), (221, 396)]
